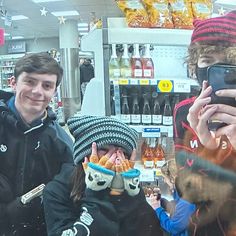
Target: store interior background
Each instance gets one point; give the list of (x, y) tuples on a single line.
[(43, 31)]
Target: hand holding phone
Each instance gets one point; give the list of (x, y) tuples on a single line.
[(221, 76)]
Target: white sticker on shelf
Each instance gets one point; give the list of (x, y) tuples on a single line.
[(182, 86), (134, 81), (147, 175)]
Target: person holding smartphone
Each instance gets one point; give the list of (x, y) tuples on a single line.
[(213, 42)]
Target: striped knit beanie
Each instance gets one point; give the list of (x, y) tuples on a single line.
[(215, 31), (102, 130)]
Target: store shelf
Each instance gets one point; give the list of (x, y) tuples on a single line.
[(119, 32), (168, 85)]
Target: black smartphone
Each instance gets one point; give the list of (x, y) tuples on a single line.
[(221, 76)]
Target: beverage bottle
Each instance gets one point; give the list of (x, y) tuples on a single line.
[(159, 155), (175, 102), (114, 64), (135, 116), (125, 64), (148, 155), (156, 114), (125, 112), (167, 113), (146, 114), (136, 63), (147, 63)]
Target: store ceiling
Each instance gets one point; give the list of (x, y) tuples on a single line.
[(39, 26)]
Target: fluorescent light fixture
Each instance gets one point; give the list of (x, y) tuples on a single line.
[(19, 17), (40, 1), (226, 2), (65, 13), (6, 34), (82, 24), (17, 37), (82, 29)]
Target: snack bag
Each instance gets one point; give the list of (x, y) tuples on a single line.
[(159, 13), (181, 11), (202, 9), (135, 13)]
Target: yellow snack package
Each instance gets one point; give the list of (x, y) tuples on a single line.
[(135, 13), (159, 13), (182, 15), (202, 9)]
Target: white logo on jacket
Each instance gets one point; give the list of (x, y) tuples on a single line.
[(3, 148), (85, 220)]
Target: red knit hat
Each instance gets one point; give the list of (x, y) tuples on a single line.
[(217, 30)]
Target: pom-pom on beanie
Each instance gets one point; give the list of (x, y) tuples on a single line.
[(102, 130), (215, 31)]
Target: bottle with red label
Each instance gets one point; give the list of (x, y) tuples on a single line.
[(147, 63), (136, 63)]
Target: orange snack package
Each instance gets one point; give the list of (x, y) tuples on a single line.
[(159, 13), (135, 13), (202, 9), (181, 11)]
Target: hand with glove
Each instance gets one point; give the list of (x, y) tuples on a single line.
[(98, 215)]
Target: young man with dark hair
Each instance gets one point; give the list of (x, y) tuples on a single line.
[(33, 146)]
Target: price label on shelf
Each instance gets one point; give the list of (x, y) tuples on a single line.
[(182, 86), (147, 175), (165, 86), (123, 81), (144, 82), (133, 81)]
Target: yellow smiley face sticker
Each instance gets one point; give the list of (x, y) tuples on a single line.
[(165, 86)]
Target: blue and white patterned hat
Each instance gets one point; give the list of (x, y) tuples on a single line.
[(102, 130)]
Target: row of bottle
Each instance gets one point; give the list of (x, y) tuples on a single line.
[(152, 153), (135, 66), (145, 110)]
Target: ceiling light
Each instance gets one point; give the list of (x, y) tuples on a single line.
[(6, 34), (40, 1), (82, 24), (226, 2), (19, 17), (65, 13), (17, 37)]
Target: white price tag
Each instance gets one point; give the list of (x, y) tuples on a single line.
[(133, 81), (147, 175), (182, 86)]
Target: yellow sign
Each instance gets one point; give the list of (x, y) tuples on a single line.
[(165, 86), (123, 81)]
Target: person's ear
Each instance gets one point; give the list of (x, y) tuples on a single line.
[(12, 83)]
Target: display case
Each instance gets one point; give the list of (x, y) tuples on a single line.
[(170, 82), (7, 65)]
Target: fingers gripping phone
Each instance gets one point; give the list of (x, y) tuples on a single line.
[(221, 76)]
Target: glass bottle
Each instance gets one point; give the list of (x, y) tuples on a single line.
[(167, 113), (147, 63), (146, 114), (148, 154), (125, 64), (135, 116), (136, 63), (125, 111), (114, 64), (156, 114)]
